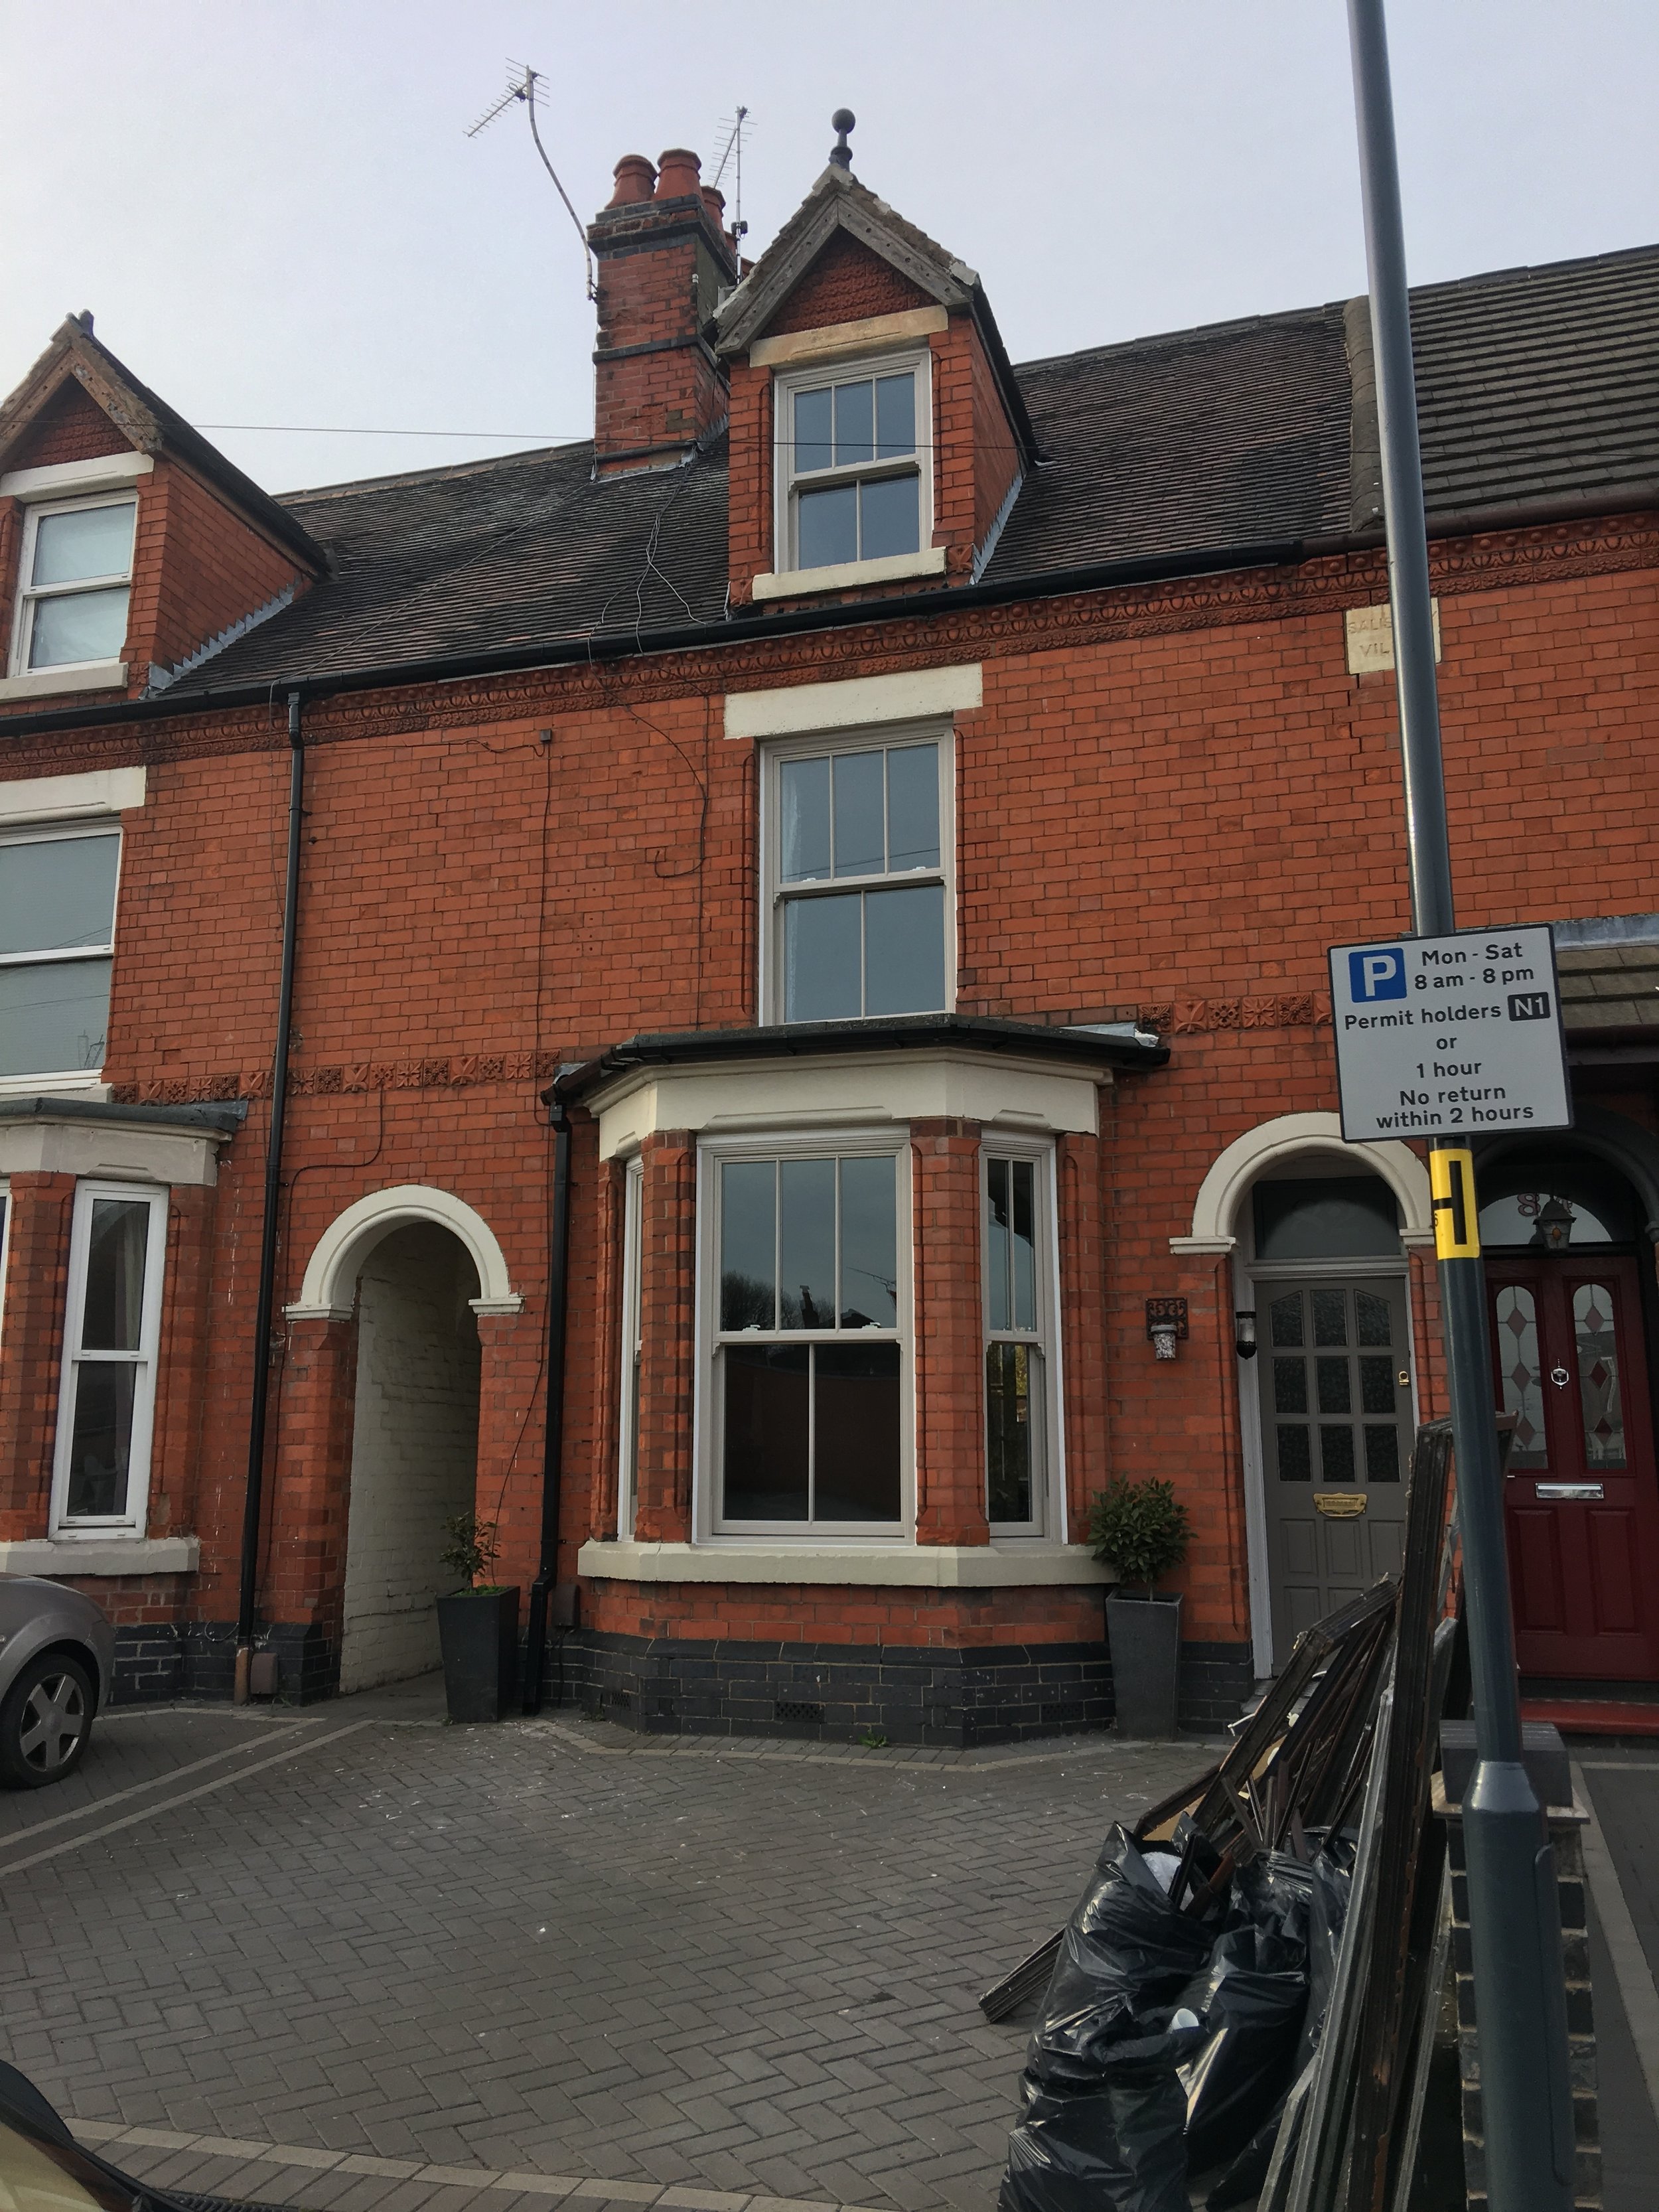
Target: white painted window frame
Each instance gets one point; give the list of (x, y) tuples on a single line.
[(132, 1519), (773, 1144), (631, 1344), (775, 895), (1049, 1475), (61, 1079), (29, 596), (786, 386)]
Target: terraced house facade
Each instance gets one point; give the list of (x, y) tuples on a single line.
[(807, 979)]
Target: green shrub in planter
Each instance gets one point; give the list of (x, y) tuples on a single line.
[(471, 1552), (478, 1625), (1141, 1530)]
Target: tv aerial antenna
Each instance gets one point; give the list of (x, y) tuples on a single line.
[(527, 85), (734, 127)]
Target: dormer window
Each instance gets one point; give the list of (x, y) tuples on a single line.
[(856, 474), (74, 581)]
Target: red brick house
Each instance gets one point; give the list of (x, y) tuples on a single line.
[(811, 916)]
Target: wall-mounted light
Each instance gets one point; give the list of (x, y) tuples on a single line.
[(1166, 1325), (1244, 1332)]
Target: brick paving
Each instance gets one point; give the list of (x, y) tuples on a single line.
[(377, 1964)]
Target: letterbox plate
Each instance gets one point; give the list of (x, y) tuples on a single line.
[(1340, 1504)]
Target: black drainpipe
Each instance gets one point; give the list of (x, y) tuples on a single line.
[(255, 1433), (547, 1572)]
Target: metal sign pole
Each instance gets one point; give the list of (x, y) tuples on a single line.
[(1514, 1916)]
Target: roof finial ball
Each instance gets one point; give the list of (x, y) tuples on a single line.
[(840, 154)]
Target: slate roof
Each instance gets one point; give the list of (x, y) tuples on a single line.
[(1534, 384)]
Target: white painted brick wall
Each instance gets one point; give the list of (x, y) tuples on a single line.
[(414, 1451)]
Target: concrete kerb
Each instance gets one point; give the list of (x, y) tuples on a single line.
[(116, 2142)]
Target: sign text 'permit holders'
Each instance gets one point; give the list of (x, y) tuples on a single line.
[(1458, 1035)]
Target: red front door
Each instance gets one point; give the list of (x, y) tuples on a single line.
[(1581, 1496)]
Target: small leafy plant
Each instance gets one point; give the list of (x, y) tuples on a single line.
[(873, 1739), (471, 1552), (1141, 1529)]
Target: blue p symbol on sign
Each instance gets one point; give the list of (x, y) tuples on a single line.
[(1379, 972)]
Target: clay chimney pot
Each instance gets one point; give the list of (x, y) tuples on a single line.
[(679, 174), (634, 177), (715, 204)]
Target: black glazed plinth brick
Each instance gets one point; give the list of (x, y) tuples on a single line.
[(954, 1698)]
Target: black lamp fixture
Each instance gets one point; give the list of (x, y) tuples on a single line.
[(1554, 1230), (1244, 1332)]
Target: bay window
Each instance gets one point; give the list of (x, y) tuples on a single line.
[(627, 1453), (858, 851), (106, 1397), (1018, 1299), (809, 1341)]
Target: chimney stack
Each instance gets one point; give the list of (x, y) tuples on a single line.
[(664, 259)]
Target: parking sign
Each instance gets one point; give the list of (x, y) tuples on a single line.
[(1456, 1036)]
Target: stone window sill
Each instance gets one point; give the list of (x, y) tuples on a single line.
[(101, 1555), (64, 682), (920, 1566), (847, 575)]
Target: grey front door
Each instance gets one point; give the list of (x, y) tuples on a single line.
[(1336, 1421)]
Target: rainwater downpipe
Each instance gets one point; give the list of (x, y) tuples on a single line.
[(257, 1418), (547, 1572)]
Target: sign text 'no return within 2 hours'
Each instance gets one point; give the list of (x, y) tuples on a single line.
[(1456, 1036)]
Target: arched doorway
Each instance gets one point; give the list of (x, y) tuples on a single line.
[(1319, 1256), (1309, 1245), (1569, 1283), (414, 1446)]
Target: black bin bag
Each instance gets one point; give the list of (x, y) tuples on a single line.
[(1251, 1999), (1329, 1881), (1103, 2107)]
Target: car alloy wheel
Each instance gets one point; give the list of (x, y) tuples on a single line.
[(45, 1721), (54, 1720)]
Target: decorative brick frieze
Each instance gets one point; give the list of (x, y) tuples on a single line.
[(1287, 1010)]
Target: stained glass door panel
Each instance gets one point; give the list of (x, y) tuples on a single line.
[(1336, 1427), (1581, 1497)]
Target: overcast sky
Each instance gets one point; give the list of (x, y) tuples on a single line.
[(275, 213)]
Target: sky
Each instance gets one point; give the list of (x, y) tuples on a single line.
[(274, 211)]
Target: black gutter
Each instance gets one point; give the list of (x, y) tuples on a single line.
[(626, 645), (258, 1415), (558, 1275), (900, 1033)]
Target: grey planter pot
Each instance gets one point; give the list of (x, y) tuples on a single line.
[(478, 1634), (1145, 1637)]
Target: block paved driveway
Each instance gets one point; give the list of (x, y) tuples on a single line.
[(359, 1960)]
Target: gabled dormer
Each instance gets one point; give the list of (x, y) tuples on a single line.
[(130, 547), (878, 436)]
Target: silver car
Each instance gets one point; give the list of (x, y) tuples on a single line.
[(56, 1663)]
